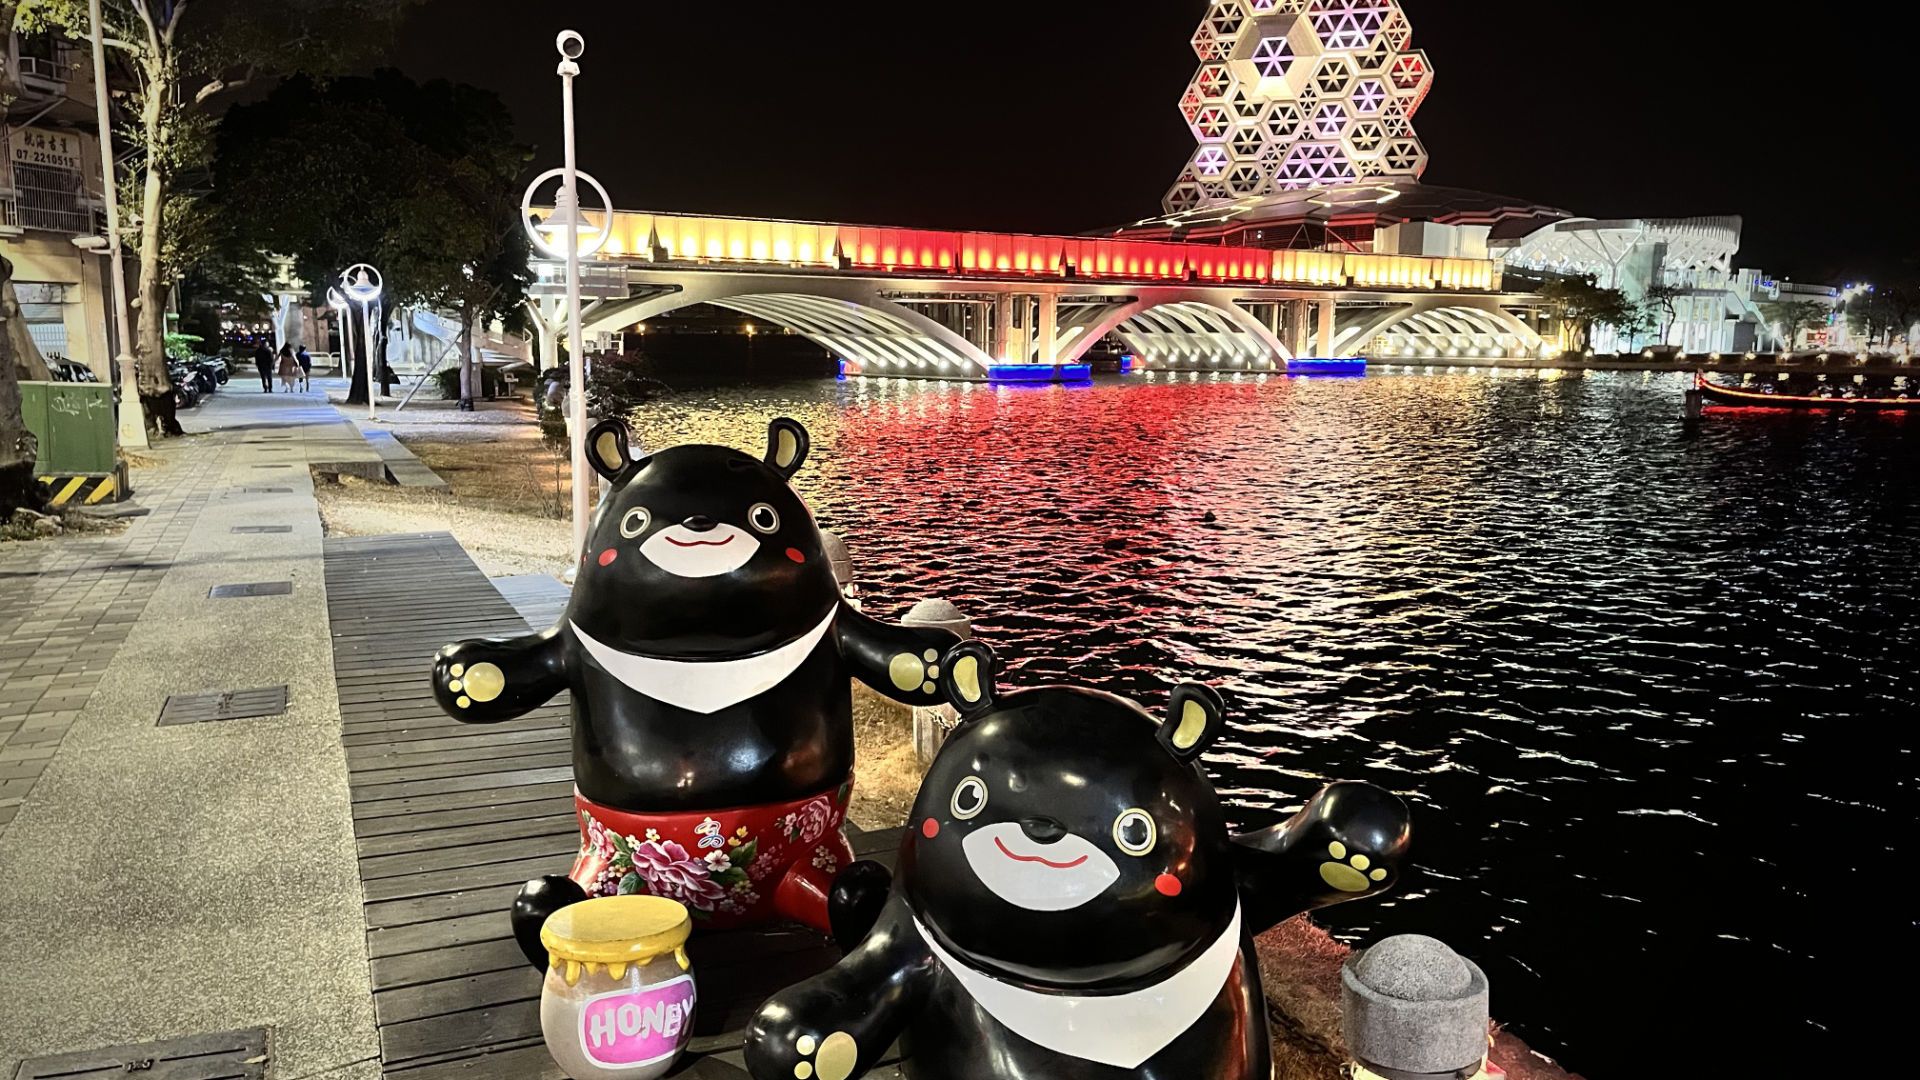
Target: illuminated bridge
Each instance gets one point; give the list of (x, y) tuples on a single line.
[(934, 304)]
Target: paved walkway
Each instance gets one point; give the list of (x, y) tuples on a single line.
[(170, 880)]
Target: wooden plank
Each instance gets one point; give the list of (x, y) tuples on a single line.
[(543, 802), (422, 909), (440, 934), (434, 863), (501, 953), (450, 996), (369, 777), (453, 1031), (522, 1063), (455, 800), (512, 873), (485, 781), (514, 827)]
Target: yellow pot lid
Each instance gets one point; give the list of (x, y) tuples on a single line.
[(618, 930)]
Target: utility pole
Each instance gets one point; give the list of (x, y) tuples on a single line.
[(133, 422)]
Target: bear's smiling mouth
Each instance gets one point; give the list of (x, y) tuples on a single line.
[(699, 543), (1081, 871), (997, 842)]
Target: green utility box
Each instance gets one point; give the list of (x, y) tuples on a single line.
[(75, 425)]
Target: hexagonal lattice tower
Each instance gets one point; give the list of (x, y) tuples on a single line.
[(1300, 94)]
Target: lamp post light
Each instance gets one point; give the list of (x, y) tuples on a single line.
[(362, 283), (339, 305), (566, 220)]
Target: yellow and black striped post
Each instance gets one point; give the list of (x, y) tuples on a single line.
[(87, 489)]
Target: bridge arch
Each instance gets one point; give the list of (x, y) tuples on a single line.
[(848, 319), (1168, 330), (1434, 327)]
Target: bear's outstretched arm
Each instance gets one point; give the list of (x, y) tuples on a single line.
[(841, 1021), (487, 680), (1347, 842), (902, 662)]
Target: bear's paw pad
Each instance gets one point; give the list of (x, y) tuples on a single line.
[(1350, 872), (909, 672), (834, 1057)]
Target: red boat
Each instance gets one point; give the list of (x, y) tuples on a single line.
[(1756, 399)]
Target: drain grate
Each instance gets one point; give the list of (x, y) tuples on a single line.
[(267, 490), (262, 528), (256, 588), (273, 466), (223, 705), (239, 1055)]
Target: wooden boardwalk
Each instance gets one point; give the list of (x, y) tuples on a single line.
[(450, 819)]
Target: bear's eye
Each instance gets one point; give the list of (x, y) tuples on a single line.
[(763, 518), (635, 522), (969, 798), (1134, 831)]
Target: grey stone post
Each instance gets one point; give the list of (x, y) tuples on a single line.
[(1413, 1009), (932, 723), (841, 562)]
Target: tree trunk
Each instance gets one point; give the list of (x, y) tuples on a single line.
[(150, 298), (467, 375), (18, 449)]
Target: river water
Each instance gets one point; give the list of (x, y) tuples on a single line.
[(1649, 690)]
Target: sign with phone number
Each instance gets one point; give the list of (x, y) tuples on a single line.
[(50, 149)]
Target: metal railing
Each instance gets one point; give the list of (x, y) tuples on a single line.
[(50, 199)]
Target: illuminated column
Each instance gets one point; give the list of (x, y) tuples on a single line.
[(1326, 328), (1000, 334), (1048, 326)]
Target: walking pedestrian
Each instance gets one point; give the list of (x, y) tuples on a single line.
[(289, 368), (306, 368), (263, 362)]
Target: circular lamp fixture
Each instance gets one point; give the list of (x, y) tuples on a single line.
[(545, 233), (361, 283)]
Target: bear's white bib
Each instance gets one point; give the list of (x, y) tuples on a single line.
[(1121, 1030), (705, 686)]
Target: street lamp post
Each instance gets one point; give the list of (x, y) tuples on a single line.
[(571, 46), (362, 283), (133, 421), (566, 219)]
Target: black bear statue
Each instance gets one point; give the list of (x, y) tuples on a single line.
[(707, 651), (1069, 904)]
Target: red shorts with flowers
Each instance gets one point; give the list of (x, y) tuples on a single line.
[(740, 867)]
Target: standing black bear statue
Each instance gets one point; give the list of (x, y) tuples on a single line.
[(707, 651), (1069, 905)]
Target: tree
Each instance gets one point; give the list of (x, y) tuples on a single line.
[(1663, 299), (419, 180), (177, 58), (1629, 320), (1884, 312), (1579, 304), (1787, 318)]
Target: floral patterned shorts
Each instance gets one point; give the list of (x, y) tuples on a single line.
[(724, 865)]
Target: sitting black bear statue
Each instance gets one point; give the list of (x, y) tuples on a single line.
[(707, 651), (1070, 906)]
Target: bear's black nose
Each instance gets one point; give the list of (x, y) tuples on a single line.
[(700, 523), (1042, 830)]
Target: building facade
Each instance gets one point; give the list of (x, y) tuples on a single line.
[(50, 197)]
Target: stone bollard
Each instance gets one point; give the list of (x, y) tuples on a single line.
[(842, 564), (1413, 1009), (931, 723)]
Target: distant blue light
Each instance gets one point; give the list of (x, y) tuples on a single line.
[(1328, 365), (1039, 373), (842, 365), (1126, 363)]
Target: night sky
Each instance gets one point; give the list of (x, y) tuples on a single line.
[(1052, 116)]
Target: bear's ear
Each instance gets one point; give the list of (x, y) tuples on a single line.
[(1195, 718), (966, 677), (787, 444), (607, 449)]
